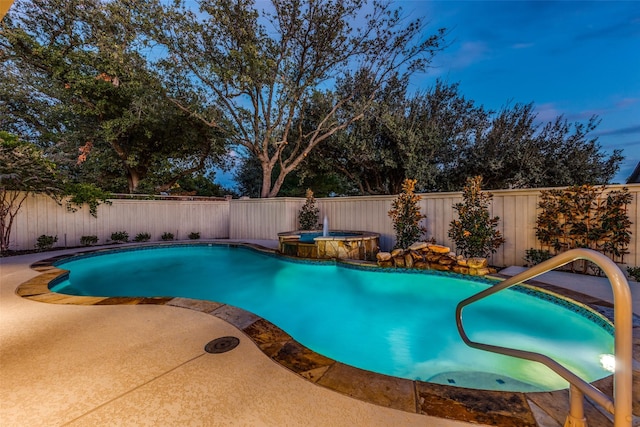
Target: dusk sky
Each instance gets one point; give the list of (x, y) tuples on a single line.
[(573, 58)]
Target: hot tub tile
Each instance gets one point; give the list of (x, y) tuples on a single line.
[(392, 392)]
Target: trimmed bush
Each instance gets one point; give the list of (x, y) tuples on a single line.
[(536, 256), (120, 237), (406, 216), (308, 216), (88, 240), (634, 272), (474, 232), (194, 236), (45, 242), (142, 237), (167, 236)]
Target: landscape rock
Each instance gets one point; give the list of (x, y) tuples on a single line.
[(477, 262), (383, 256), (417, 246), (396, 252), (423, 256), (439, 249), (408, 261)]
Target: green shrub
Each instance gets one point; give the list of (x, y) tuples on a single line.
[(584, 216), (142, 237), (474, 232), (194, 236), (536, 256), (120, 237), (45, 242), (308, 216), (406, 216), (80, 194), (88, 240), (167, 236), (634, 272)]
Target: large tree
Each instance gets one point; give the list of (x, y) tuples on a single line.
[(257, 71), (79, 79)]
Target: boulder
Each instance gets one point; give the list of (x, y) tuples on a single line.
[(433, 257), (477, 262), (417, 255), (482, 271), (446, 261), (399, 261), (388, 263), (460, 269), (417, 246), (396, 252), (462, 262), (408, 261), (439, 249), (421, 265), (439, 267), (383, 256)]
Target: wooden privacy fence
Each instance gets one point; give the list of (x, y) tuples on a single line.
[(41, 215), (265, 218)]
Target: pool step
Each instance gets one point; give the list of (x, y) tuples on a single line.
[(482, 381)]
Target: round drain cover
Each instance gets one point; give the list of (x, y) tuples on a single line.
[(221, 345)]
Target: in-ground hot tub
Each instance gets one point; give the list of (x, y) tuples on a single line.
[(361, 245)]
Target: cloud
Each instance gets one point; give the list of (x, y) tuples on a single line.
[(622, 131), (547, 112), (522, 45), (626, 28), (626, 103)]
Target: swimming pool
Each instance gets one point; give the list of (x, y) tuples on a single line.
[(399, 324)]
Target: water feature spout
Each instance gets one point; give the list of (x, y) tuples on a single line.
[(325, 227)]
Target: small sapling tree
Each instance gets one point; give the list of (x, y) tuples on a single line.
[(406, 216), (24, 170), (474, 232), (308, 216)]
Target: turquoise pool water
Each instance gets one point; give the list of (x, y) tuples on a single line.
[(399, 324)]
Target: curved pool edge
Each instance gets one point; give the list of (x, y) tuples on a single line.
[(455, 403)]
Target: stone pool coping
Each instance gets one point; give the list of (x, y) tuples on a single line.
[(455, 403)]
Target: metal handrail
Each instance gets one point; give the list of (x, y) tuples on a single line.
[(621, 405)]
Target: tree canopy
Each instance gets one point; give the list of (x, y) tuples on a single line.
[(80, 83), (440, 138), (252, 74)]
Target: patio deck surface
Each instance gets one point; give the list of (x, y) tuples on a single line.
[(145, 364)]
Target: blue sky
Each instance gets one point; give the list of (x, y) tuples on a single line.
[(573, 58)]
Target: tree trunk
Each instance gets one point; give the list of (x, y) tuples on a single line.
[(133, 178), (266, 180)]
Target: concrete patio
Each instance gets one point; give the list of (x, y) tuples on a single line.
[(145, 364)]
